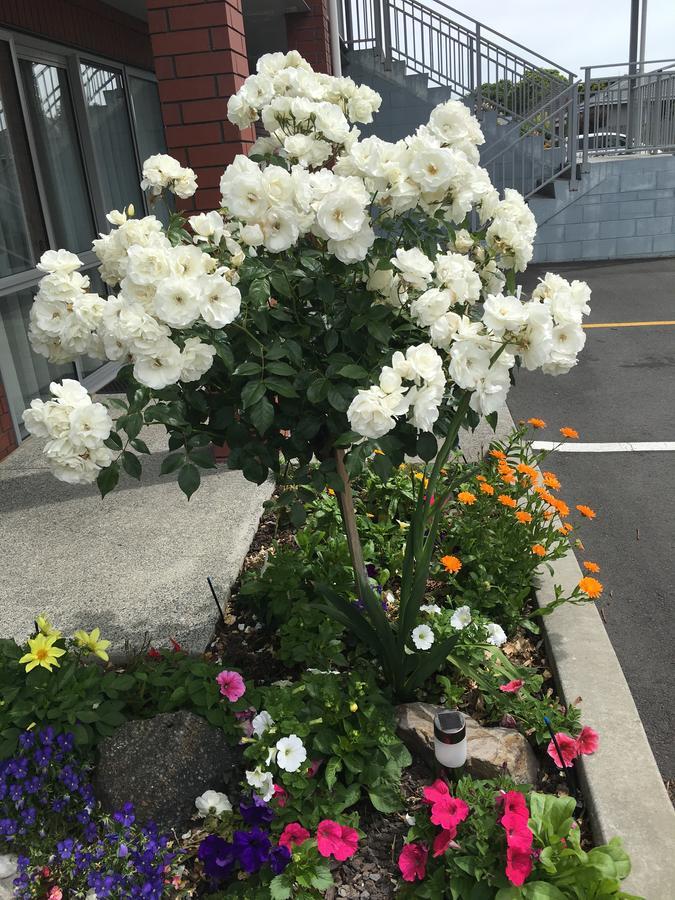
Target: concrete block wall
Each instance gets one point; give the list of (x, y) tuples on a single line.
[(627, 212)]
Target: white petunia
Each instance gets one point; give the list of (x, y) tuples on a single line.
[(431, 608), (423, 637), (496, 634), (261, 723), (461, 618), (291, 753), (212, 803), (262, 783)]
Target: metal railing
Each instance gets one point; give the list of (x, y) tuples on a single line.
[(539, 149), (455, 51), (628, 113)]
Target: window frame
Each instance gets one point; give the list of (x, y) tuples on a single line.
[(25, 46)]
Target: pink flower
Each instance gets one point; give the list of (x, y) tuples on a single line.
[(443, 840), (568, 748), (449, 812), (588, 741), (333, 839), (55, 894), (436, 791), (231, 685), (518, 834), (314, 767), (514, 805), (508, 721), (280, 795), (244, 717), (512, 687), (413, 862), (293, 835), (176, 646), (153, 654), (518, 865)]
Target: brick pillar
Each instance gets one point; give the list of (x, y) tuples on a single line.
[(199, 50), (309, 34), (7, 435)]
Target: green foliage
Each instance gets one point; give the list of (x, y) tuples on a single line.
[(347, 727)]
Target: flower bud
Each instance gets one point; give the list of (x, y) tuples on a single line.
[(353, 707)]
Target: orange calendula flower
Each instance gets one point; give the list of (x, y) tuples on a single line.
[(486, 488), (508, 479), (481, 478), (569, 432), (523, 517), (591, 567), (561, 507), (566, 528), (466, 497), (539, 549), (451, 564), (530, 471), (505, 500), (551, 481), (536, 423), (548, 514), (590, 586), (497, 454), (586, 511)]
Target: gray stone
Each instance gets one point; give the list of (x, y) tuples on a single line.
[(163, 764), (8, 872), (491, 751)]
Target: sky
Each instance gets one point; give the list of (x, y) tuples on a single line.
[(576, 33)]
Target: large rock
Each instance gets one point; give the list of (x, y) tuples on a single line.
[(490, 751), (8, 873), (162, 764)]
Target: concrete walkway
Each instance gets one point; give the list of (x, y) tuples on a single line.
[(133, 564)]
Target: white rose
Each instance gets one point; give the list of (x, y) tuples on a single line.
[(161, 367), (177, 301), (61, 261), (502, 313), (196, 359), (220, 301), (414, 266)]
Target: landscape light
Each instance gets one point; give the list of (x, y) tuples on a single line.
[(450, 738)]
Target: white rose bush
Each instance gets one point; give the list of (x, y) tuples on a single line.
[(348, 296)]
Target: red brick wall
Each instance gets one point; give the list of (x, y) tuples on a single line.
[(7, 435), (309, 33), (87, 24), (200, 60)]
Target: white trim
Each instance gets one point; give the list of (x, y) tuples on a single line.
[(334, 27), (620, 447)]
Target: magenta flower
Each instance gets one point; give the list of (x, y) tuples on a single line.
[(231, 685), (444, 839), (568, 749), (588, 741), (293, 835), (512, 687), (413, 862), (333, 839)]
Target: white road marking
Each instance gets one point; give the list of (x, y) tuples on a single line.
[(621, 447)]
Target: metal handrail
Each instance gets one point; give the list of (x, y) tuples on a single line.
[(541, 148), (450, 54)]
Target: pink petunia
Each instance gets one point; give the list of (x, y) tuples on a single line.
[(588, 741), (568, 749), (518, 834), (55, 893), (514, 804), (413, 862), (449, 812), (436, 791), (333, 839), (518, 865), (444, 839), (512, 687), (314, 767), (232, 685), (293, 835), (280, 795)]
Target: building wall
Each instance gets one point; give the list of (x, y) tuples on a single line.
[(7, 435), (309, 34), (86, 24), (628, 212), (200, 60)]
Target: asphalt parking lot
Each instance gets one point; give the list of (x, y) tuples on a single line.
[(623, 390)]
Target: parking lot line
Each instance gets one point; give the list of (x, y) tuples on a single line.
[(626, 324), (620, 447)]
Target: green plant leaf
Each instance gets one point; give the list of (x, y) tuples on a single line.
[(262, 415), (189, 479), (202, 457), (251, 393), (107, 478), (172, 462), (131, 464)]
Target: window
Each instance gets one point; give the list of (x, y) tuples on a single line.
[(73, 134)]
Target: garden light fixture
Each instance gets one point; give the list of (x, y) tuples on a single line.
[(450, 738)]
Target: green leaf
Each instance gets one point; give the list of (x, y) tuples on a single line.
[(131, 464), (427, 446), (280, 386), (298, 514), (317, 390), (336, 400), (248, 368), (259, 291), (325, 289), (188, 479), (280, 368), (113, 441), (382, 466), (262, 415), (321, 878), (333, 767), (356, 373), (279, 282), (251, 393), (172, 462), (107, 478), (133, 424), (280, 889), (202, 457), (139, 445), (385, 797), (346, 439)]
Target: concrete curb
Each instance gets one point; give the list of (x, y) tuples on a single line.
[(624, 792)]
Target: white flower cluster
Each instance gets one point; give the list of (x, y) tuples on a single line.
[(512, 230), (306, 113), (76, 430), (162, 172), (277, 207), (373, 411), (289, 753)]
